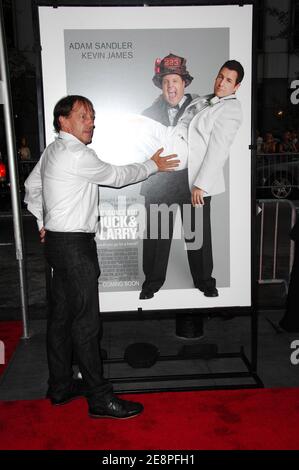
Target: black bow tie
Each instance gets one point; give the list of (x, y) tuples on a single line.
[(174, 107)]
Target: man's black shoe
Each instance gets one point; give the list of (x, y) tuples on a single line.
[(146, 294), (210, 292), (78, 389), (208, 288), (115, 408)]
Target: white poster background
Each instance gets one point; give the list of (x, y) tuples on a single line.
[(53, 22)]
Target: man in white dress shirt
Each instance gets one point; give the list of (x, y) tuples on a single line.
[(62, 193)]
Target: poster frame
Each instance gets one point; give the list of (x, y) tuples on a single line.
[(142, 313)]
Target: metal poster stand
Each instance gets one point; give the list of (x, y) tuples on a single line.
[(249, 369), (126, 384)]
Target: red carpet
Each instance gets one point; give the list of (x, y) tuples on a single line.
[(228, 419), (10, 333), (238, 419)]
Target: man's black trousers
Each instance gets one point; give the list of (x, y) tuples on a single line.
[(173, 188), (74, 321)]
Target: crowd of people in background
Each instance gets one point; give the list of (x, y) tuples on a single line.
[(288, 142)]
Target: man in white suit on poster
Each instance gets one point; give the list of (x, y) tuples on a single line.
[(211, 132)]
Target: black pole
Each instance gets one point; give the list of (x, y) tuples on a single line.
[(254, 314)]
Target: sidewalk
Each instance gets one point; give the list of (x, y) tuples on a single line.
[(274, 367), (269, 296)]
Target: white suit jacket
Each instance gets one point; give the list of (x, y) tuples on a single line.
[(211, 132)]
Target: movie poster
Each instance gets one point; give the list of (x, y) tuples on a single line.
[(108, 55)]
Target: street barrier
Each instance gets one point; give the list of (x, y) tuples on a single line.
[(277, 175), (275, 247)]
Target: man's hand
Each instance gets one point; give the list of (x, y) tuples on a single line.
[(197, 198), (165, 163), (42, 234)]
